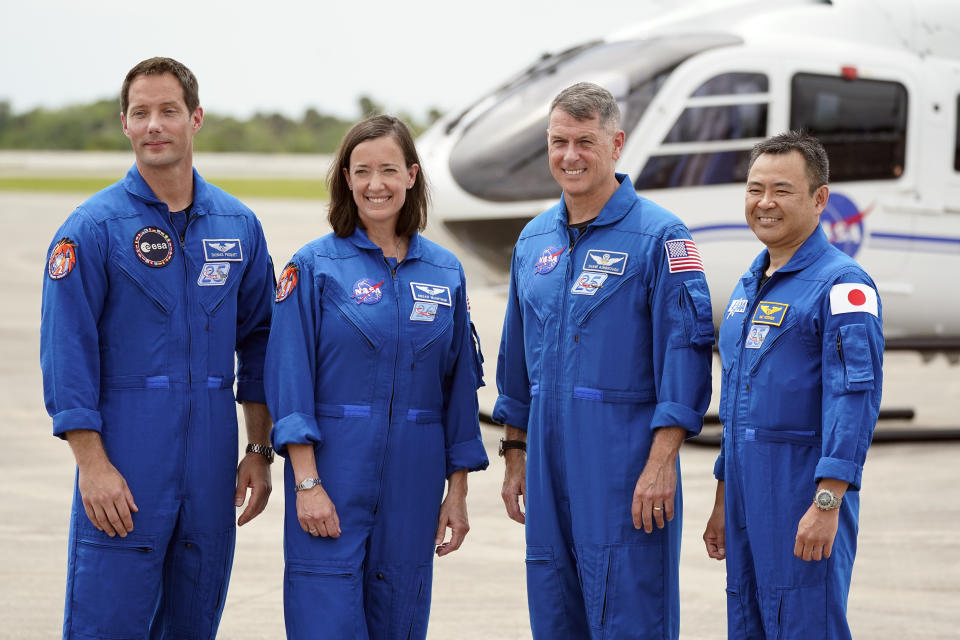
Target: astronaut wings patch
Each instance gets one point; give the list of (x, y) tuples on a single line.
[(852, 297)]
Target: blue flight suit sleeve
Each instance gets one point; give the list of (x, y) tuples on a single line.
[(513, 404), (852, 361), (718, 466), (254, 308), (290, 370), (461, 427), (69, 337), (683, 337)]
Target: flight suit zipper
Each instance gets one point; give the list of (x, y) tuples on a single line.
[(393, 384), (186, 313)]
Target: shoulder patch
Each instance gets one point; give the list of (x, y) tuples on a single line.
[(853, 297), (288, 281), (63, 258), (682, 255)]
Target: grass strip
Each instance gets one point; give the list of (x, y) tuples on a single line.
[(301, 189)]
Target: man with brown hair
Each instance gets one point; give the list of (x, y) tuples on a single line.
[(154, 288)]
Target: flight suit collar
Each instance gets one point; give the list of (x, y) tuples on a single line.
[(808, 253), (360, 240), (615, 208), (138, 187)]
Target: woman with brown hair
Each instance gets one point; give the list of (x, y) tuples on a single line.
[(371, 378)]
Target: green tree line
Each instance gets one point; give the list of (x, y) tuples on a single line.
[(96, 127)]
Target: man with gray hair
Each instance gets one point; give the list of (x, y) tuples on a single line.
[(604, 369), (802, 348)]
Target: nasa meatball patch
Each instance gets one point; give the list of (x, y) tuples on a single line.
[(63, 259), (153, 246), (851, 297)]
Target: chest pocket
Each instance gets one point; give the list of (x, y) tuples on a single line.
[(774, 341), (212, 297), (431, 337), (541, 291), (133, 271), (343, 321)]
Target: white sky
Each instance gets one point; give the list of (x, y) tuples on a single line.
[(287, 55)]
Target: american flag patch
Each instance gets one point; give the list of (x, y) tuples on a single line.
[(682, 255)]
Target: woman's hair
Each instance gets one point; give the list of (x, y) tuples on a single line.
[(343, 215)]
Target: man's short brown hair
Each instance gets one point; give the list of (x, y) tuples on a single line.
[(155, 67)]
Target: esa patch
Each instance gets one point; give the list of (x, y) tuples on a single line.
[(737, 306), (770, 313), (758, 333), (424, 311), (287, 282), (852, 297), (682, 255), (431, 293), (224, 249), (63, 258), (214, 274), (153, 246), (588, 283), (548, 260), (366, 291), (612, 262)]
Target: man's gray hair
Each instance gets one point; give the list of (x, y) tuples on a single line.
[(585, 101), (815, 156)]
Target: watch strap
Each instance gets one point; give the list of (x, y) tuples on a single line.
[(265, 450), (506, 445)]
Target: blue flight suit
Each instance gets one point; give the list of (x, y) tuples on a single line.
[(374, 365), (139, 330), (603, 342), (799, 400)]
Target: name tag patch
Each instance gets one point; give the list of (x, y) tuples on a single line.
[(612, 262), (214, 274), (423, 292), (758, 333), (424, 311), (770, 313), (228, 249), (737, 306), (588, 283)]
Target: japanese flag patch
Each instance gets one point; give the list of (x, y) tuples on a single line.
[(851, 297)]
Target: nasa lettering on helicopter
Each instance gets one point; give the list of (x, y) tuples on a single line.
[(878, 81)]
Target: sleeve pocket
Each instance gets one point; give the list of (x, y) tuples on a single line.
[(698, 318), (857, 360)]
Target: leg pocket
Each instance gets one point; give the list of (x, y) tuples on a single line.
[(553, 613), (743, 613), (802, 614), (115, 585), (633, 603), (323, 601)]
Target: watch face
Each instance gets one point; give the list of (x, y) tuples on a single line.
[(826, 499)]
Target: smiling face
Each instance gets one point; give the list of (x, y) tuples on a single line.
[(780, 209), (583, 155), (379, 178), (158, 123)]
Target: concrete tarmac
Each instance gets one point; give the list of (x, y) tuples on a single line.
[(906, 581)]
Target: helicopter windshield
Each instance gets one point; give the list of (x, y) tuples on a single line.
[(502, 153)]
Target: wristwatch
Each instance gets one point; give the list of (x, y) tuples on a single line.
[(506, 445), (308, 483), (263, 449), (826, 500)]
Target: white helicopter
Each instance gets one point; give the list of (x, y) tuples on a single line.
[(878, 81)]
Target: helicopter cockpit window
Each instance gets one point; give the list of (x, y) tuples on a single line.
[(710, 141), (502, 151), (862, 123)]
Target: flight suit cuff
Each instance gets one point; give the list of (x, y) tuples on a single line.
[(74, 419), (674, 414), (251, 390), (511, 412), (469, 455), (839, 469), (296, 428), (718, 468)]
